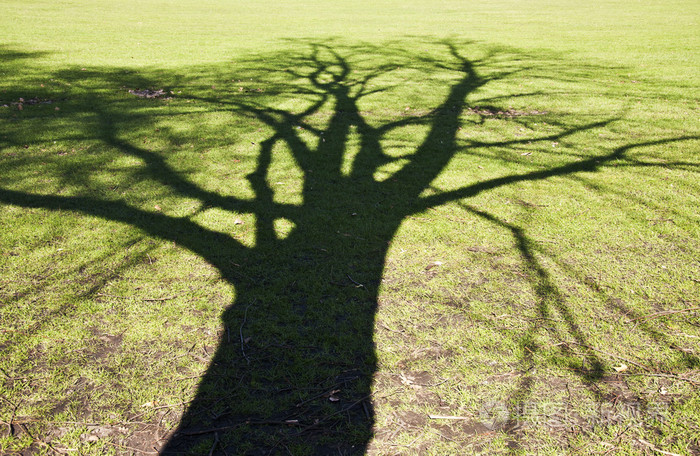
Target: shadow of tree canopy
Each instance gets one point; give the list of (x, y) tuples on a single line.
[(300, 330)]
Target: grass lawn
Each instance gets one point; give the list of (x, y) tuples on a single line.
[(340, 228)]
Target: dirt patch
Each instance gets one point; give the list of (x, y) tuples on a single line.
[(412, 419), (106, 344), (490, 111), (419, 379), (426, 397), (76, 399), (454, 320), (433, 353), (149, 93), (147, 438), (21, 102), (456, 304), (97, 432), (482, 249)]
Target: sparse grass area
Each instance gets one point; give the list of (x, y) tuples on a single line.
[(457, 229)]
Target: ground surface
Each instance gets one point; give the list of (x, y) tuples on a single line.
[(358, 228)]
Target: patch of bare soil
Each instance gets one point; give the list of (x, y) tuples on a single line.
[(105, 345), (149, 93), (21, 102), (489, 111)]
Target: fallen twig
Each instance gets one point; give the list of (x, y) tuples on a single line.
[(673, 376), (216, 442), (662, 313), (357, 284), (448, 417), (365, 407), (130, 448), (539, 318), (134, 297), (326, 392), (660, 219), (443, 435), (278, 422), (114, 296), (45, 444), (407, 445), (12, 419), (646, 368), (209, 431), (234, 426), (240, 331), (274, 423), (327, 417), (186, 353), (651, 445), (37, 420), (608, 445), (650, 372), (154, 409), (389, 329), (161, 299)]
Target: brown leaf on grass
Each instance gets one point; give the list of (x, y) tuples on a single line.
[(158, 208)]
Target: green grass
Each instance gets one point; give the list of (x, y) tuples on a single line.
[(342, 220)]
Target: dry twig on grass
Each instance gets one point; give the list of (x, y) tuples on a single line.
[(662, 313)]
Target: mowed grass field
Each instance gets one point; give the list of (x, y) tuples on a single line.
[(340, 228)]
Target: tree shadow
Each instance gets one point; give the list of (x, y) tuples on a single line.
[(293, 370), (576, 351)]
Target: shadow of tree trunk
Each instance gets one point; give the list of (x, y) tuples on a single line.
[(298, 372)]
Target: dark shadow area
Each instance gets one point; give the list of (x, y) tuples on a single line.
[(293, 371)]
